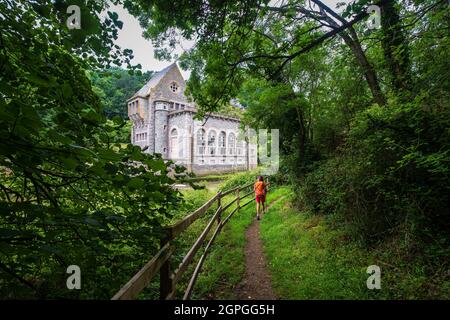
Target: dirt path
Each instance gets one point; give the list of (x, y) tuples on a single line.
[(256, 284)]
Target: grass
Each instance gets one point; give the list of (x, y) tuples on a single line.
[(232, 237), (317, 260), (307, 265), (309, 257), (225, 264)]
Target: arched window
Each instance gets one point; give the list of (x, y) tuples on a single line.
[(173, 144), (231, 143), (212, 143), (222, 141), (201, 141), (240, 147)]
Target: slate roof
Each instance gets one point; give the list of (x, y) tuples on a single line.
[(144, 91)]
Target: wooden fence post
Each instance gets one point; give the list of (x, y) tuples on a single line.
[(219, 204), (165, 280), (161, 261)]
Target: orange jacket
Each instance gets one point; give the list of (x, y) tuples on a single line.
[(259, 187)]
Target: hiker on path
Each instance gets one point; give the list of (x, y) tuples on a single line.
[(260, 195)]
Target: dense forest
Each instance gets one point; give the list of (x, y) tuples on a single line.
[(115, 86), (363, 114), (69, 192)]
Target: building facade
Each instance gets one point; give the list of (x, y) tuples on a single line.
[(163, 122)]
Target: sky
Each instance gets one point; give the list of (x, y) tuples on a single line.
[(130, 37)]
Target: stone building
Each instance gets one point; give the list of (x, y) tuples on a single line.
[(163, 122)]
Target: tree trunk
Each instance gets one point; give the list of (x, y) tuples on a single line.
[(369, 71), (351, 39), (395, 47)]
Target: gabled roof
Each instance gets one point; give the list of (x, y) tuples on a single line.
[(145, 90)]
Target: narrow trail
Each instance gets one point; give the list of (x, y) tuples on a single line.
[(256, 283)]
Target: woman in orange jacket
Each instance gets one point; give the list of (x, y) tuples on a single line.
[(260, 195)]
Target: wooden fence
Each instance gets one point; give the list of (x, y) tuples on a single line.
[(161, 261)]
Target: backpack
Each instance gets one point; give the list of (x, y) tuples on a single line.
[(259, 188)]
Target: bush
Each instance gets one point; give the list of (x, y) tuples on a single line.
[(393, 175), (239, 179)]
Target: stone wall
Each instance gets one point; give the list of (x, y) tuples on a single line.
[(202, 170), (182, 122), (161, 128), (162, 90), (151, 125)]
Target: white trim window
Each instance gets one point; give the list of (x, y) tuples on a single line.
[(231, 143), (201, 141), (222, 141), (240, 147), (212, 143)]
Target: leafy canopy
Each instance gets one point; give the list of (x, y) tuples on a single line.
[(68, 194)]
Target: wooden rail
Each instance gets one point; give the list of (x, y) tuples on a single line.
[(168, 279)]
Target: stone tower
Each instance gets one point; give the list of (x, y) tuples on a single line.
[(161, 125)]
